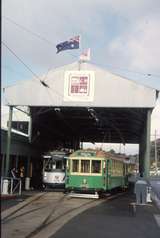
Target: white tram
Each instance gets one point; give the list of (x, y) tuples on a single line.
[(54, 166)]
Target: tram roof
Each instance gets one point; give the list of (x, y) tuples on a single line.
[(98, 154), (113, 109)]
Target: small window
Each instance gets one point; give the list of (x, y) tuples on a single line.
[(96, 166), (75, 166), (59, 164), (85, 166)]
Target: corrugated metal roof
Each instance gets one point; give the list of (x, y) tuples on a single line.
[(110, 90), (115, 112)]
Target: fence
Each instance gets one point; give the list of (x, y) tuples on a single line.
[(11, 185)]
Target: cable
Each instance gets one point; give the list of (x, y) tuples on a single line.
[(28, 30), (21, 61), (51, 43), (40, 80), (33, 33), (131, 71)]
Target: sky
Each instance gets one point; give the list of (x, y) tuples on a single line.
[(123, 36)]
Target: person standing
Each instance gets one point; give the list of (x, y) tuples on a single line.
[(13, 173), (22, 176)]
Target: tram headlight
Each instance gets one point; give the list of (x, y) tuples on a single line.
[(45, 175)]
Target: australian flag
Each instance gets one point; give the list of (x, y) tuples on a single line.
[(71, 44)]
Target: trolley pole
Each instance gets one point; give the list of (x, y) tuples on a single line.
[(8, 141)]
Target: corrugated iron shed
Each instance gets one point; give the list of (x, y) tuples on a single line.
[(82, 102)]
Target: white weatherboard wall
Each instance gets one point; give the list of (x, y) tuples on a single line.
[(110, 90)]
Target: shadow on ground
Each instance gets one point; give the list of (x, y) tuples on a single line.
[(113, 220)]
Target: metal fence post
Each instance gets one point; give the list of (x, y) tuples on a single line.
[(20, 187), (11, 185)]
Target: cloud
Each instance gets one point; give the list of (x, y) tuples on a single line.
[(141, 46), (99, 22), (120, 32)]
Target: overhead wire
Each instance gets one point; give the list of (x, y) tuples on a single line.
[(28, 30), (53, 43), (34, 33), (20, 60), (130, 71), (44, 84)]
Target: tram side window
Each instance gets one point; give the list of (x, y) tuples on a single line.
[(75, 166), (96, 166), (85, 166)]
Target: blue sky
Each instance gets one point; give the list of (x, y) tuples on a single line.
[(123, 36)]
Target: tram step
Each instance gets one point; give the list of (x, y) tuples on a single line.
[(82, 195)]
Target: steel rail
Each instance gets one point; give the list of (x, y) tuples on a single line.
[(45, 224), (20, 208)]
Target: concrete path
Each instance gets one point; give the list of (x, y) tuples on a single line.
[(113, 220)]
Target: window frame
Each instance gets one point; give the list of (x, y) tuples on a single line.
[(100, 172), (71, 167), (90, 164)]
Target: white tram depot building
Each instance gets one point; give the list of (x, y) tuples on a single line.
[(81, 102)]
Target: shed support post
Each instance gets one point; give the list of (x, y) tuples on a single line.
[(3, 164), (30, 129), (142, 153), (27, 179), (28, 166), (141, 159), (8, 141), (17, 159), (147, 144)]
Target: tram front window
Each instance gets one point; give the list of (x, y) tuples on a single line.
[(59, 164), (53, 165), (48, 165), (85, 166), (75, 166), (96, 166)]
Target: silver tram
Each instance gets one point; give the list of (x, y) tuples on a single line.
[(54, 166)]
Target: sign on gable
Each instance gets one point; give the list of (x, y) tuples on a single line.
[(79, 86)]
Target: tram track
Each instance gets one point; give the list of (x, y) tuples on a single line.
[(46, 223), (23, 214), (46, 214), (8, 217)]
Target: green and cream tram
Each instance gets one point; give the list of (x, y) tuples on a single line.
[(95, 170)]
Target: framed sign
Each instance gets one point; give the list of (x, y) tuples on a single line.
[(79, 86)]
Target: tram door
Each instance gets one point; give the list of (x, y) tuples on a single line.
[(104, 173), (108, 173)]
